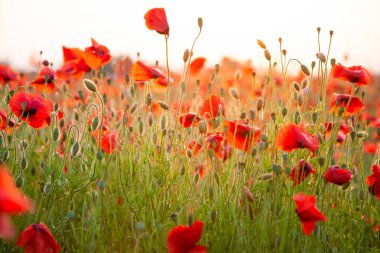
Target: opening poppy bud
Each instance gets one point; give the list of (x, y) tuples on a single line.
[(260, 104), (163, 105), (56, 134), (213, 215), (321, 57), (134, 107), (284, 111), (267, 55), (90, 85), (261, 44), (19, 182), (186, 55), (75, 150), (305, 70), (200, 23), (234, 93)]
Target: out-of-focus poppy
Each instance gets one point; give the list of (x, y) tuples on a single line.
[(44, 81), (300, 173), (355, 74), (373, 181), (338, 175), (109, 140), (292, 136), (12, 201), (215, 143), (370, 147), (212, 107), (307, 212), (74, 65), (141, 72), (8, 75), (189, 119), (241, 136), (37, 238), (32, 109), (4, 125), (97, 55), (183, 239), (195, 147), (196, 65), (352, 105), (155, 19), (342, 132)]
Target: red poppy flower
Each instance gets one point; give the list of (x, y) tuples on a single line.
[(215, 142), (7, 75), (97, 55), (32, 108), (373, 181), (182, 239), (109, 140), (141, 72), (37, 238), (197, 64), (351, 106), (212, 107), (241, 136), (300, 173), (44, 80), (195, 147), (155, 19), (342, 132), (74, 65), (337, 175), (354, 74), (12, 201), (292, 136), (307, 212), (188, 119), (4, 125), (70, 54)]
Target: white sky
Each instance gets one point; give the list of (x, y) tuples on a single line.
[(230, 28)]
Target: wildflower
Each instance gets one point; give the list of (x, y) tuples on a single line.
[(155, 19), (355, 74), (212, 107), (351, 104), (97, 55), (44, 80), (197, 64), (12, 201), (241, 136), (307, 212), (188, 119), (37, 238), (7, 75), (141, 72), (74, 65), (373, 181), (337, 175), (292, 136), (183, 239), (32, 109), (4, 125), (300, 173), (109, 139), (342, 132)]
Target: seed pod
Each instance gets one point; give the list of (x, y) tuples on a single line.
[(234, 93), (75, 150), (267, 55), (90, 85), (56, 134), (163, 105), (284, 52), (305, 70), (95, 123)]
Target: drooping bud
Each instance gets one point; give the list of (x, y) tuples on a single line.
[(200, 23), (267, 55), (305, 70), (186, 55), (163, 105), (90, 85), (75, 150), (261, 44), (234, 93)]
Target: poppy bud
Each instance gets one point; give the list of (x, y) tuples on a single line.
[(340, 110), (297, 118), (362, 134), (148, 99), (234, 93), (101, 184), (251, 114), (261, 44), (61, 123), (305, 82), (314, 117), (189, 153), (183, 86), (56, 134), (276, 168), (321, 57), (332, 61), (134, 107), (211, 193), (95, 123), (155, 138), (163, 105), (300, 100), (260, 104), (186, 55), (141, 127), (75, 150), (5, 156), (305, 70), (296, 86), (174, 217), (200, 23), (150, 119), (273, 116), (19, 182), (261, 146), (253, 152), (213, 215), (90, 85), (312, 64), (190, 220), (267, 55), (99, 155), (284, 111), (164, 122), (217, 179)]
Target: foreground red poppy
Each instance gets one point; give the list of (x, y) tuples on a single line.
[(338, 175), (355, 74), (292, 137), (32, 109), (373, 181), (241, 136), (97, 55), (74, 65), (307, 212), (44, 82), (183, 239), (12, 201), (212, 107), (155, 19), (352, 105), (37, 238), (300, 173)]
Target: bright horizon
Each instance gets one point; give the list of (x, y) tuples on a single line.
[(230, 29)]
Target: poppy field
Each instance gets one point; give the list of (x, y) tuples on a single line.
[(115, 154)]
